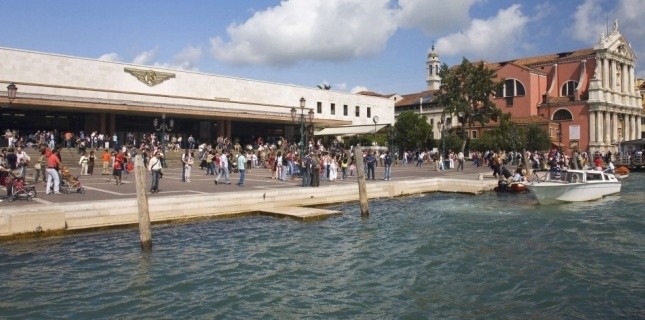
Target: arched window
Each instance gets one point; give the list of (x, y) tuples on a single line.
[(562, 114), (511, 88), (569, 88)]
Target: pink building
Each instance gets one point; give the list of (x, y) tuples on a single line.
[(587, 99), (591, 94)]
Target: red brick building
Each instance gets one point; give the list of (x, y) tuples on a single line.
[(589, 98)]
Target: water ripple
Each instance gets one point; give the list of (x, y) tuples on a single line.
[(447, 256)]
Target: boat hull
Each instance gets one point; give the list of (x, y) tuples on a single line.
[(553, 192)]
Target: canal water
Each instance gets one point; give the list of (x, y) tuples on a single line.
[(435, 256)]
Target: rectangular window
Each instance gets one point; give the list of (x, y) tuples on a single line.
[(346, 111), (319, 107), (369, 112), (358, 111), (473, 134), (333, 109)]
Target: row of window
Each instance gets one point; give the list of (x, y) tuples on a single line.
[(513, 88), (332, 110)]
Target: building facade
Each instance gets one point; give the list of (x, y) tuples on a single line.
[(590, 98), (78, 94)]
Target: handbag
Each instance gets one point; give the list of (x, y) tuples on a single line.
[(37, 166)]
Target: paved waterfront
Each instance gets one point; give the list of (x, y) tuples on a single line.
[(102, 187)]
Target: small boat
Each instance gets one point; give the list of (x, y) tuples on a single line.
[(551, 187), (621, 172), (512, 187)]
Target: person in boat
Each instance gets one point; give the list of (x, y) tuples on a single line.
[(610, 168), (519, 175), (597, 162)]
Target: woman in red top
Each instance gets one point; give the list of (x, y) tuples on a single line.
[(53, 163), (117, 166)]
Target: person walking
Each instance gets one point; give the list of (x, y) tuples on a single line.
[(241, 165), (184, 160), (40, 167), (190, 161), (371, 163), (387, 163), (154, 165), (117, 167), (306, 163), (53, 162), (106, 161), (90, 163), (223, 161), (83, 162), (460, 161)]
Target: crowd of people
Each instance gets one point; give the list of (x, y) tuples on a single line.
[(320, 161)]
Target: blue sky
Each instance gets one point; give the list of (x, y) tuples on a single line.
[(377, 45)]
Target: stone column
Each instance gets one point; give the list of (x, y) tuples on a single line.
[(638, 128), (624, 81), (605, 73), (612, 76), (614, 127), (626, 128), (600, 122), (592, 127), (606, 129), (632, 128)]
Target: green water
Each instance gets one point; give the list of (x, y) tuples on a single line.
[(438, 256)]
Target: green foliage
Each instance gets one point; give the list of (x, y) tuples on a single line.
[(537, 138), (363, 140), (465, 93), (412, 130), (453, 142)]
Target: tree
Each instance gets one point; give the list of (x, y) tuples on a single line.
[(506, 136), (465, 93), (412, 130), (537, 138)]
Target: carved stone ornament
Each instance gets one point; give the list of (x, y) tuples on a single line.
[(149, 77)]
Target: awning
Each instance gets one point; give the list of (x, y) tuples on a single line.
[(350, 130)]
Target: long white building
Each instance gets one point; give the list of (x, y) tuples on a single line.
[(71, 93)]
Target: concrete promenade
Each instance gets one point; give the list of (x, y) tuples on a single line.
[(106, 204)]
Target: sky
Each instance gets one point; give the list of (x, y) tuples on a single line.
[(352, 45)]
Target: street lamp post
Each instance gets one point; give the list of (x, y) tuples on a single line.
[(443, 137), (302, 120), (390, 137), (375, 120), (163, 127), (11, 93)]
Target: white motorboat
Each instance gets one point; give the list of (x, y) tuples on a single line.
[(551, 187)]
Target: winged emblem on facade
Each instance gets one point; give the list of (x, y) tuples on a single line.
[(149, 77)]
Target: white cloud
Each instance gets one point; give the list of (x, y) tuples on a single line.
[(327, 30), (588, 22), (358, 89), (112, 56), (434, 17), (493, 38), (632, 26), (187, 58), (145, 57)]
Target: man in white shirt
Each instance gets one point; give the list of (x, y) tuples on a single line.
[(224, 168)]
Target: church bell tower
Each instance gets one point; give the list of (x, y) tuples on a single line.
[(432, 66)]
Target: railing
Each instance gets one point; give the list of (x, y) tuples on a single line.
[(631, 160)]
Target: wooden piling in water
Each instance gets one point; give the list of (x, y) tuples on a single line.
[(360, 174), (140, 173)]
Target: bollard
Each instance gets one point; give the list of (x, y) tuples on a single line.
[(360, 175), (481, 176), (140, 174)]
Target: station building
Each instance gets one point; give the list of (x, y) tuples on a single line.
[(80, 94)]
